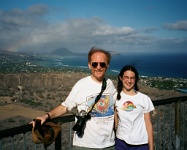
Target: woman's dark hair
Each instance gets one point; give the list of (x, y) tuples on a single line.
[(120, 84)]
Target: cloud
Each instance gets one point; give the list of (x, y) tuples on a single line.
[(33, 29), (38, 10), (180, 25), (17, 19), (149, 30), (107, 30), (17, 26), (29, 30)]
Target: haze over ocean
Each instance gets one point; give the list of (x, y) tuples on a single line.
[(151, 65)]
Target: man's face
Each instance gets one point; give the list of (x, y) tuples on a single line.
[(98, 66)]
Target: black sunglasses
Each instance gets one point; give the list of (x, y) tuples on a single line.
[(102, 64)]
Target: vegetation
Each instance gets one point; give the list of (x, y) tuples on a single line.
[(31, 103), (167, 84)]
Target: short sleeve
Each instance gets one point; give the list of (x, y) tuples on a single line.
[(148, 105)]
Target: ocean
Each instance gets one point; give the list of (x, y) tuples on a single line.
[(151, 65)]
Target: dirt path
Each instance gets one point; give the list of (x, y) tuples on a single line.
[(11, 110)]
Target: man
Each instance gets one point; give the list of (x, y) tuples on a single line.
[(98, 133)]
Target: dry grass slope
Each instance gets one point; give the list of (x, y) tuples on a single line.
[(41, 92)]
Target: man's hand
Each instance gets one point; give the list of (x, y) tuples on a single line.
[(42, 118)]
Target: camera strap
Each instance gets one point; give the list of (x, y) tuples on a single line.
[(81, 120), (98, 96)]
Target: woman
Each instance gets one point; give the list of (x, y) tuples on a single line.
[(133, 125)]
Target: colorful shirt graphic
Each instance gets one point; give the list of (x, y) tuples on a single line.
[(128, 106), (102, 108)]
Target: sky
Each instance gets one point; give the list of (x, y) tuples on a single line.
[(128, 26)]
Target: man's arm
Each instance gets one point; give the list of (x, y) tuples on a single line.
[(56, 112)]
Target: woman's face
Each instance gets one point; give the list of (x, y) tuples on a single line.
[(98, 66), (128, 79)]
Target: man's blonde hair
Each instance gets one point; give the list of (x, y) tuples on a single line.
[(95, 49)]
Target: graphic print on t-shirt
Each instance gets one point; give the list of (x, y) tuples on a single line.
[(102, 108), (128, 106)]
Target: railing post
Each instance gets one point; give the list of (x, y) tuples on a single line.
[(58, 142), (1, 145), (12, 141), (24, 142), (177, 125), (70, 133), (157, 125), (170, 130)]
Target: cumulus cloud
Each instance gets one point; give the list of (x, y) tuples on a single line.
[(32, 30), (180, 25), (28, 29), (150, 29), (106, 30)]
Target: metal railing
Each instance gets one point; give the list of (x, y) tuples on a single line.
[(169, 122), (20, 138)]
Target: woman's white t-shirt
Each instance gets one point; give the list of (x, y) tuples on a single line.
[(131, 125), (99, 129)]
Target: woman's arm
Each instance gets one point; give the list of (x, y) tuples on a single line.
[(115, 119), (149, 128)]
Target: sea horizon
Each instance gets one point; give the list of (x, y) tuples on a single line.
[(150, 65)]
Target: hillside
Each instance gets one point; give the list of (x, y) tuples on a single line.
[(24, 96), (46, 90), (62, 52)]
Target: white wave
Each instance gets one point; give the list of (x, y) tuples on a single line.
[(82, 67), (115, 71), (143, 76)]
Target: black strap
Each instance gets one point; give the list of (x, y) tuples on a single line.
[(99, 96)]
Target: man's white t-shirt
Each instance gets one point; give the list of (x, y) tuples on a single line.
[(131, 124), (99, 129)]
